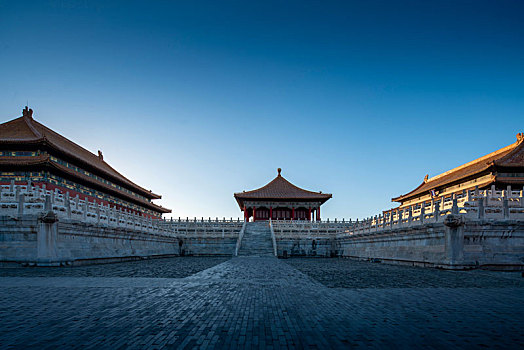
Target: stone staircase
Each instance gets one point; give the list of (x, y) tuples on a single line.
[(257, 240)]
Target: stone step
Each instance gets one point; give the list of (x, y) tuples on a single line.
[(257, 240)]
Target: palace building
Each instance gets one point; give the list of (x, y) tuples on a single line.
[(32, 153), (501, 169), (281, 200)]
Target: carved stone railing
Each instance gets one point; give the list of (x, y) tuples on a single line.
[(470, 205), (18, 200), (492, 204), (240, 237), (204, 227), (476, 204), (312, 229), (273, 238)]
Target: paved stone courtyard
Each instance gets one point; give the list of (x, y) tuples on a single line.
[(250, 302)]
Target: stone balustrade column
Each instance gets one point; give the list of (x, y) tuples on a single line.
[(505, 207), (84, 211), (481, 208), (97, 210), (422, 212), (68, 205), (468, 195), (21, 199), (117, 217), (454, 208)]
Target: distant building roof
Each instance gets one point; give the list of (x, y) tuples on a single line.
[(26, 130), (279, 189), (508, 157)]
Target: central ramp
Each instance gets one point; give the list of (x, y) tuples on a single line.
[(257, 240)]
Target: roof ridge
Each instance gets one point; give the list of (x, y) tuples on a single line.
[(510, 154), (478, 160), (28, 118), (98, 159)]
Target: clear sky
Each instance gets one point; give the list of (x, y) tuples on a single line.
[(197, 100)]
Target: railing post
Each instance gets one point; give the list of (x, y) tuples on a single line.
[(97, 214), (505, 205), (84, 211), (422, 212), (454, 208), (481, 208), (68, 205), (436, 210), (21, 198), (48, 206)]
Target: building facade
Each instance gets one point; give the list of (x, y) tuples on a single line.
[(498, 170), (31, 153), (281, 200)]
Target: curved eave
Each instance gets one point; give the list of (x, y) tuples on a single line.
[(45, 162), (508, 157), (240, 199), (407, 195), (122, 181), (421, 191), (435, 184), (108, 188)]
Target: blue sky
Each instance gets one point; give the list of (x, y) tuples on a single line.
[(197, 100)]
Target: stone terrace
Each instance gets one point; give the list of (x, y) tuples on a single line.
[(259, 302)]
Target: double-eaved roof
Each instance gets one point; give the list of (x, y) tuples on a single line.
[(280, 190), (27, 131), (505, 159)]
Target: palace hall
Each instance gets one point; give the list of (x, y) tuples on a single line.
[(498, 170), (31, 153), (281, 200)]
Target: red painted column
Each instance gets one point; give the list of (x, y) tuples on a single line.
[(254, 213), (309, 215), (293, 213), (271, 213), (246, 218), (318, 214)]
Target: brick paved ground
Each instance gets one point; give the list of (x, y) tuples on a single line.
[(258, 302), (164, 268), (346, 273)]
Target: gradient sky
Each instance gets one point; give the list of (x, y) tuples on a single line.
[(197, 100)]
